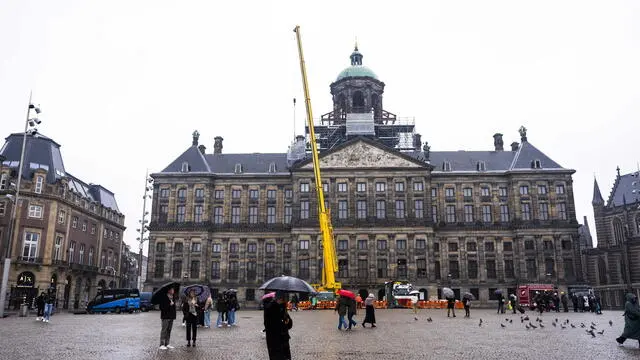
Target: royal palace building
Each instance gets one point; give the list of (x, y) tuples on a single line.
[(476, 221), (67, 234), (613, 267)]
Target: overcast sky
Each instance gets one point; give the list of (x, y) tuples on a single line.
[(123, 84)]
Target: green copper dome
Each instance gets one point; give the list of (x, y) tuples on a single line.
[(356, 70)]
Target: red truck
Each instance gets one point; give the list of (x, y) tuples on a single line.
[(526, 293)]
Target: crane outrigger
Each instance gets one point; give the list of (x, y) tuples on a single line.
[(330, 260)]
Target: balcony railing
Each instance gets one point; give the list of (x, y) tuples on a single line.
[(29, 260)]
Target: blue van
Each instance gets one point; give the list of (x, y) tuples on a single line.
[(145, 301), (115, 300)]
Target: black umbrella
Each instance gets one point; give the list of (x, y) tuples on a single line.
[(288, 284), (162, 291), (469, 296), (202, 291)]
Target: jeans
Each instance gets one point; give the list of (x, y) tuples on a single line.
[(207, 318), (165, 332), (48, 309), (341, 321), (231, 317), (351, 321), (221, 318)]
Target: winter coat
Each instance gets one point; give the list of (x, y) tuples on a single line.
[(352, 307), (233, 305), (342, 305), (369, 301), (222, 305), (631, 318), (167, 308)]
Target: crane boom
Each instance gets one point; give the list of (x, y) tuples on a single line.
[(330, 261)]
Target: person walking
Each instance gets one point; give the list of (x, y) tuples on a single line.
[(351, 312), (208, 306), (277, 324), (294, 302), (221, 308), (40, 306), (190, 311), (513, 301), (167, 316), (370, 312), (49, 299), (631, 320), (341, 307)]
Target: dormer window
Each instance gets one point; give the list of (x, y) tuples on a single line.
[(39, 183), (481, 166), (185, 167), (536, 164), (238, 169), (446, 166), (272, 167)]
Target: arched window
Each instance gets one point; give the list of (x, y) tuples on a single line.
[(618, 232), (602, 272), (342, 104), (358, 102)]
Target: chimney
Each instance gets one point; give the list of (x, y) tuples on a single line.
[(217, 145), (195, 137), (514, 146), (202, 149), (299, 138), (497, 142)]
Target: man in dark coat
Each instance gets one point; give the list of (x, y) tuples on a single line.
[(167, 315), (574, 300), (565, 302), (277, 324), (631, 320), (40, 306)]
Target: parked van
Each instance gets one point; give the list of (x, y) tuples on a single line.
[(145, 301)]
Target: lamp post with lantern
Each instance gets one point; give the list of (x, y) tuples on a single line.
[(30, 127), (143, 230)]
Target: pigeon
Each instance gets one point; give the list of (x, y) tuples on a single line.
[(610, 323), (556, 319), (541, 326), (593, 327), (526, 318), (590, 332), (554, 324), (537, 319), (502, 325), (593, 324), (527, 326), (563, 327), (573, 326), (533, 326), (415, 318), (429, 319), (510, 321), (601, 332), (582, 325), (521, 320)]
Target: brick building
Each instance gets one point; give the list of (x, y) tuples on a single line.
[(67, 234), (613, 267), (473, 220)]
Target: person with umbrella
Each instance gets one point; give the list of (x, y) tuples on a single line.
[(342, 305), (466, 301), (370, 314), (165, 297), (451, 301), (277, 324), (208, 305), (221, 307), (190, 310), (351, 312), (232, 307)]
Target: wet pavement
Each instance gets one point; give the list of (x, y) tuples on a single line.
[(314, 336)]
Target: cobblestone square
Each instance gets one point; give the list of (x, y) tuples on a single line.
[(314, 336)]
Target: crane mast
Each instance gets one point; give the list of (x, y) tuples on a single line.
[(330, 261)]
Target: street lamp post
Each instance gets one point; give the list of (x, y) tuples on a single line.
[(144, 228), (29, 127)]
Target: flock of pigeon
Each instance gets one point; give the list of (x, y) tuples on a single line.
[(591, 330)]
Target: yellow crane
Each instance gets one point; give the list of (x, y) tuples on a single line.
[(330, 260)]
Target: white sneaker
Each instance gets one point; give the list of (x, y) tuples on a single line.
[(162, 347), (170, 347), (219, 326), (38, 318), (183, 324)]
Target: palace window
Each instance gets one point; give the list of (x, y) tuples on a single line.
[(399, 187), (421, 244), (304, 209), (361, 209), (304, 187), (180, 213), (271, 194), (418, 186), (235, 193), (504, 213), (361, 187), (304, 245), (382, 268), (343, 209), (486, 213), (235, 214), (421, 267), (218, 215), (380, 187), (342, 187), (215, 270), (451, 213), (199, 193), (472, 269), (400, 210), (271, 215), (418, 206), (560, 189), (197, 213), (30, 246), (544, 211), (526, 211), (218, 194), (468, 213), (253, 215), (562, 211), (287, 214), (381, 209), (542, 189)]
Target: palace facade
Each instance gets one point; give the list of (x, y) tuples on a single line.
[(475, 221)]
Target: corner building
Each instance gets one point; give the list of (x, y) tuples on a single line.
[(473, 220), (67, 234)]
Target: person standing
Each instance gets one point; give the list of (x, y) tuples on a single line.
[(574, 300), (451, 306), (190, 311), (40, 306), (631, 320), (512, 300), (167, 316), (294, 302), (208, 306), (565, 302), (466, 301), (221, 307), (232, 307), (277, 324), (500, 304), (370, 312), (49, 299)]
